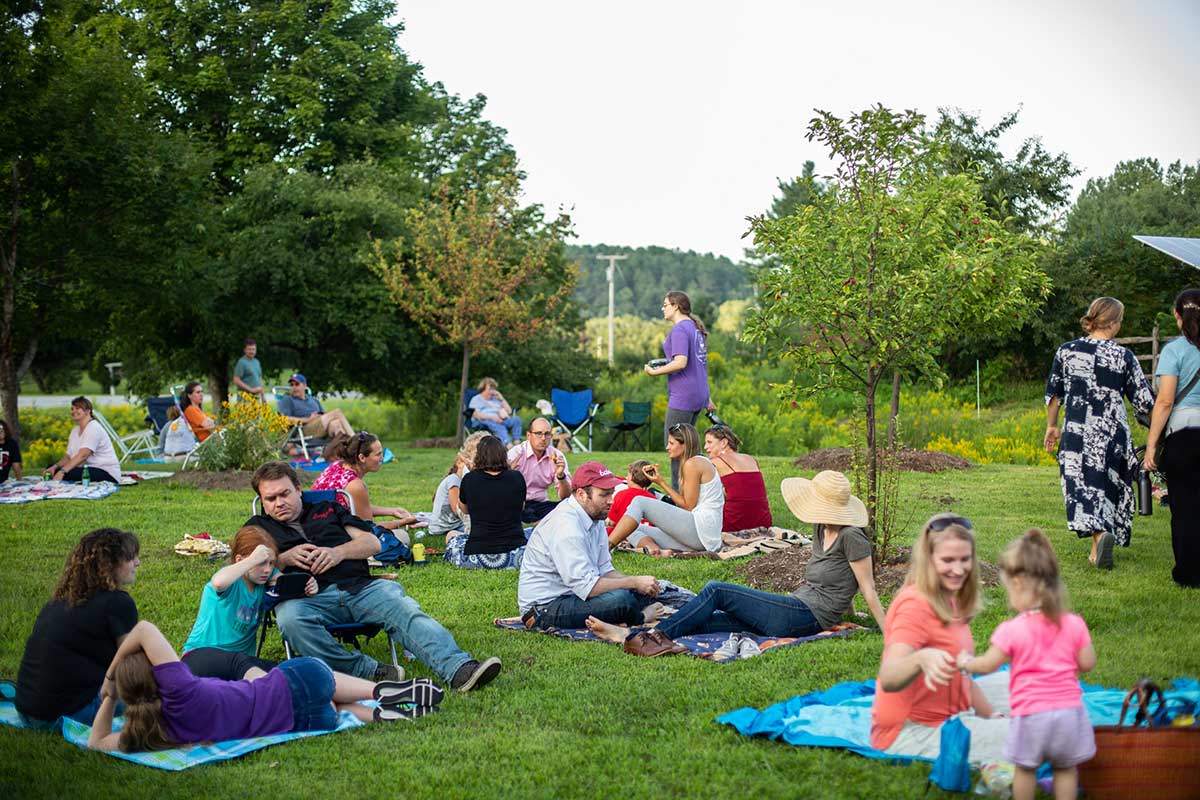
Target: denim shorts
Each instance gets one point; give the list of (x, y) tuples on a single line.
[(311, 682), (1063, 737)]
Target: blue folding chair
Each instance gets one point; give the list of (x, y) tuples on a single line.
[(348, 633), (156, 411), (470, 424), (574, 411)]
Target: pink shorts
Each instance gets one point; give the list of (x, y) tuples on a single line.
[(1063, 737)]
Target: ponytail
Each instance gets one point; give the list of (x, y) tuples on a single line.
[(1032, 557), (1187, 306), (143, 729)]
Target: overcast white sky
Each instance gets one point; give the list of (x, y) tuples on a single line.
[(667, 122)]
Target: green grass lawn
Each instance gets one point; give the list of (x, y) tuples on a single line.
[(566, 719)]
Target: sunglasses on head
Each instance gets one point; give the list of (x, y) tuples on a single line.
[(363, 436), (676, 428), (941, 523)]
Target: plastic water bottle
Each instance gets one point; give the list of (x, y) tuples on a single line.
[(87, 477)]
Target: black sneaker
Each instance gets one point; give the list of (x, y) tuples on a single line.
[(420, 691), (393, 713), (473, 674), (388, 672)]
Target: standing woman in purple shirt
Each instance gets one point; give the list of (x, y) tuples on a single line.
[(687, 371), (166, 705)]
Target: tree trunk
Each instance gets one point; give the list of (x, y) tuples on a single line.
[(895, 409), (462, 390), (872, 498), (218, 384), (10, 385)]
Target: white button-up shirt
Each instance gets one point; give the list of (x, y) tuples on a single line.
[(567, 554)]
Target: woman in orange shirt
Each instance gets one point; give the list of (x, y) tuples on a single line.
[(927, 625), (190, 403)]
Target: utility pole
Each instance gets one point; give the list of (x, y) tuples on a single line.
[(612, 260)]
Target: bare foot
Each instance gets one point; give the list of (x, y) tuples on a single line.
[(649, 549), (617, 634), (665, 554), (653, 612)]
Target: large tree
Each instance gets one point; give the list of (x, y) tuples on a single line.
[(476, 271), (895, 256), (91, 189)]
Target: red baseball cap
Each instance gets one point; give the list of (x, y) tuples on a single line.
[(593, 473)]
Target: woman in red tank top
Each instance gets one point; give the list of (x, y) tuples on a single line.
[(745, 491)]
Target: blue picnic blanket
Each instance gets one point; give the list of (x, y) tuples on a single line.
[(841, 716), (27, 491), (180, 758), (701, 645)]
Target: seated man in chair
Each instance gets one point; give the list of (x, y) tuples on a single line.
[(333, 545), (301, 408)]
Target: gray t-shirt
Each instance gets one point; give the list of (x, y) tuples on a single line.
[(831, 582), (444, 519)]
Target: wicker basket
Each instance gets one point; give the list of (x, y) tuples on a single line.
[(1159, 762)]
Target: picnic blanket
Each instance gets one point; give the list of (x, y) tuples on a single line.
[(180, 758), (841, 715), (700, 645), (203, 545), (131, 478), (741, 543), (28, 491)]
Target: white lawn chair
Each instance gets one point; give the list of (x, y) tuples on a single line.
[(296, 432), (131, 444)]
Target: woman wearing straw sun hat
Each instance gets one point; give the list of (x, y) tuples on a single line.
[(839, 567)]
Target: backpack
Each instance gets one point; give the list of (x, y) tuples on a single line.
[(391, 549)]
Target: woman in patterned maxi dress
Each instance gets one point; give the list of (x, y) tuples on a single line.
[(1095, 452)]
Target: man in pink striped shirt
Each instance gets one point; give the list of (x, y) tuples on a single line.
[(542, 465)]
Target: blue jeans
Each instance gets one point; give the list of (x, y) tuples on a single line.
[(508, 431), (729, 608), (383, 603), (85, 715), (311, 684), (620, 607)]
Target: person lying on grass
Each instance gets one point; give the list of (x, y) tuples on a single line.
[(166, 705), (222, 641), (839, 567)]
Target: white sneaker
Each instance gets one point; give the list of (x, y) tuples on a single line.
[(747, 648), (730, 648)]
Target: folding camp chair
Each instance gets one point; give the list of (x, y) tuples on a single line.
[(470, 424), (307, 444), (130, 444), (156, 412), (634, 417), (573, 411), (348, 633)]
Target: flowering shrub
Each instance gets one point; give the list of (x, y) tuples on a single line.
[(252, 433)]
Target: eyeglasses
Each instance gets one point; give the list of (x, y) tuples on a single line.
[(941, 523), (539, 434)]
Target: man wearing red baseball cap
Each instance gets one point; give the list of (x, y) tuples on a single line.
[(567, 573)]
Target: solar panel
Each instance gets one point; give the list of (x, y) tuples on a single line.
[(1179, 247)]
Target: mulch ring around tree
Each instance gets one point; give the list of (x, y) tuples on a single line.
[(838, 458), (234, 480), (783, 571)]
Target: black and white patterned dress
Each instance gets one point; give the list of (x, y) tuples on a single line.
[(1095, 453)]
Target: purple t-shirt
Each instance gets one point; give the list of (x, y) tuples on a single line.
[(212, 710), (687, 389)]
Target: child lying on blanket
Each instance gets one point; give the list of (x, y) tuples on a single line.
[(166, 706), (223, 638)]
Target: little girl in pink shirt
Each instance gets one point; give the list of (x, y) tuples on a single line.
[(1047, 648)]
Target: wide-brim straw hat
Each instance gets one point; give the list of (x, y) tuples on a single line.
[(824, 499)]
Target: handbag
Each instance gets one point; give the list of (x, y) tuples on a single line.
[(1160, 449), (1150, 758)]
